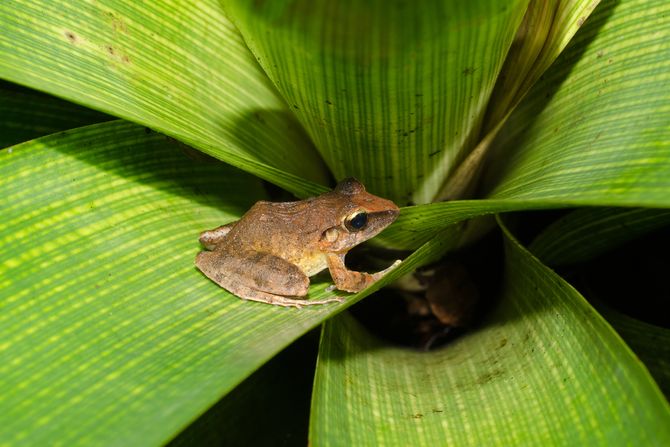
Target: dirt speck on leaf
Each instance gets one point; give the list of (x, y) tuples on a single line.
[(72, 37), (489, 376)]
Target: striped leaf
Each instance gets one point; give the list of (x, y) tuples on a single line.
[(179, 67), (586, 233), (271, 407), (546, 30), (111, 334), (650, 343), (390, 92), (527, 376), (595, 131)]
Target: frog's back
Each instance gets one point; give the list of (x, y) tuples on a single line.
[(290, 230)]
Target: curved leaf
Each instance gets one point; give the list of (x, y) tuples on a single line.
[(175, 66), (546, 30), (543, 369), (418, 224), (109, 328), (595, 129), (271, 407), (390, 93), (649, 342), (586, 233)]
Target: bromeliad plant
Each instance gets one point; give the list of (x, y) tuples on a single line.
[(111, 336)]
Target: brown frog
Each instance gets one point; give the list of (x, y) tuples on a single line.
[(270, 253)]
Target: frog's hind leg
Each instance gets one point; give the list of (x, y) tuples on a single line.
[(257, 276), (211, 238)]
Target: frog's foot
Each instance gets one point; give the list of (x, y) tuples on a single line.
[(250, 294), (278, 300), (350, 280), (378, 275), (300, 303)]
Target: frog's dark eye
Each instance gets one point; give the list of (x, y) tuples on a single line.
[(357, 221)]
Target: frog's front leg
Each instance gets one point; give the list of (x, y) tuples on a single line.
[(349, 280), (257, 276), (211, 238)]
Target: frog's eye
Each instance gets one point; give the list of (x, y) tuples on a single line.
[(356, 221)]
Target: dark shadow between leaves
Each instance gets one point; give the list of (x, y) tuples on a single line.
[(270, 408), (26, 114)]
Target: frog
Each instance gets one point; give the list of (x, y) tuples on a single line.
[(269, 254)]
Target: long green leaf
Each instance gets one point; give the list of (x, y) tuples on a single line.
[(271, 407), (546, 30), (110, 334), (179, 67), (543, 369), (649, 342), (594, 132), (26, 114), (390, 92), (586, 233), (596, 128)]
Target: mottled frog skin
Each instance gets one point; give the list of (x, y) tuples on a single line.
[(270, 253)]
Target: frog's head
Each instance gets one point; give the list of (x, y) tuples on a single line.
[(360, 216)]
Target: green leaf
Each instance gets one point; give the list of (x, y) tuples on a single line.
[(649, 342), (26, 114), (179, 67), (586, 233), (418, 224), (595, 129), (271, 407), (545, 31), (391, 93), (543, 369), (111, 334)]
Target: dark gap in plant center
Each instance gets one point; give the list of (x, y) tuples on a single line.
[(463, 286)]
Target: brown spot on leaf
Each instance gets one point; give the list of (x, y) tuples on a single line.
[(487, 377), (72, 37), (118, 24)]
